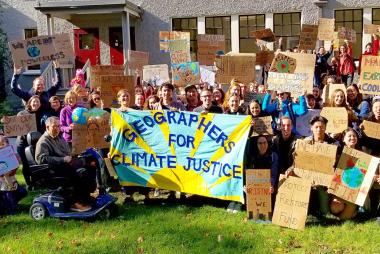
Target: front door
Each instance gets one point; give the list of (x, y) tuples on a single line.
[(86, 44), (116, 45)]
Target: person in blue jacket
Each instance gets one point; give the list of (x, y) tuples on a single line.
[(38, 87), (283, 106)]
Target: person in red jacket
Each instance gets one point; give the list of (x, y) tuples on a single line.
[(346, 63), (370, 49)]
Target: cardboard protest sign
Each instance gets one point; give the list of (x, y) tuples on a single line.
[(328, 91), (91, 134), (264, 34), (337, 42), (264, 57), (287, 82), (157, 74), (63, 43), (262, 126), (370, 75), (347, 34), (371, 29), (110, 85), (371, 129), (239, 66), (259, 204), (8, 160), (302, 123), (292, 202), (167, 36), (208, 46), (326, 29), (207, 76), (337, 119), (283, 63), (354, 176), (96, 71), (137, 59), (315, 162), (179, 52), (19, 125), (184, 74), (308, 37)]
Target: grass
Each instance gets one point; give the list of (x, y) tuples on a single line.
[(179, 227)]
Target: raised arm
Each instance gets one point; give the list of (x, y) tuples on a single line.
[(15, 89)]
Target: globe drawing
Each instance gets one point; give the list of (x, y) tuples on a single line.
[(352, 177), (79, 116), (33, 51)]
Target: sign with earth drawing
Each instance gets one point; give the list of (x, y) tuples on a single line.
[(283, 63)]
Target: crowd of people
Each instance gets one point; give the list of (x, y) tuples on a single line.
[(276, 152)]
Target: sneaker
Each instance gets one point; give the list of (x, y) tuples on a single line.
[(230, 207), (156, 193), (237, 207), (78, 207)]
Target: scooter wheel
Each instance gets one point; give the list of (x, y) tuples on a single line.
[(37, 211), (105, 214)]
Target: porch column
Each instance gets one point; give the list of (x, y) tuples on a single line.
[(235, 33), (48, 23), (126, 36)]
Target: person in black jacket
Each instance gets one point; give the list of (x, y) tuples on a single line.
[(207, 105)]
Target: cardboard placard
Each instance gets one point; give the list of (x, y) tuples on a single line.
[(96, 71), (264, 34), (292, 202), (137, 59), (283, 63), (337, 42), (315, 162), (208, 46), (337, 119), (179, 52), (259, 204), (207, 76), (328, 91), (262, 126), (308, 37), (287, 82), (264, 57), (8, 160), (354, 176), (370, 75), (302, 123), (347, 34), (19, 125), (40, 49), (167, 36), (184, 74), (326, 29), (371, 29), (371, 129), (110, 85), (91, 134), (239, 66), (158, 73)]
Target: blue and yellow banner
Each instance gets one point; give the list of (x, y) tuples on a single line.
[(181, 151)]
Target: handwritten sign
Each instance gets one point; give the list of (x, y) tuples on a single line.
[(19, 125), (207, 76), (91, 134), (259, 204), (292, 202), (137, 59), (347, 34), (262, 126), (41, 49), (8, 160), (354, 176), (370, 75), (337, 42), (239, 66), (302, 123), (179, 52), (283, 63), (184, 74), (371, 129), (328, 91), (264, 34), (371, 29), (264, 57), (157, 74), (287, 82), (337, 119), (96, 71), (167, 36), (110, 85), (308, 37), (315, 162), (208, 46), (326, 29)]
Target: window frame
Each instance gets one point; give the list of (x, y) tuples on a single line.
[(248, 29), (228, 46), (292, 35), (373, 14), (193, 51)]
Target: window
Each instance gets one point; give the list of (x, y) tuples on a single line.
[(220, 25), (29, 33), (351, 19), (376, 16), (87, 41), (188, 25), (288, 26), (248, 24)]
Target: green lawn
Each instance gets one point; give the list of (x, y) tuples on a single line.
[(179, 227)]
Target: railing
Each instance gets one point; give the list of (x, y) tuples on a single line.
[(49, 75), (67, 73), (86, 70)]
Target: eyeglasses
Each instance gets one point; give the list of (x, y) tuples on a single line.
[(97, 99)]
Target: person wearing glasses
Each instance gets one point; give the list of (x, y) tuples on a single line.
[(207, 105)]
